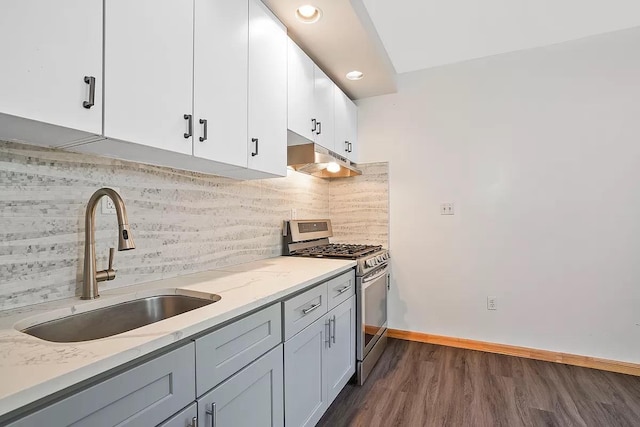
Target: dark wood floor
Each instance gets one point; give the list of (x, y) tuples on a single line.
[(418, 384)]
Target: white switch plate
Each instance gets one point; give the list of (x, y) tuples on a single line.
[(106, 204), (447, 209), (492, 303), (294, 213)]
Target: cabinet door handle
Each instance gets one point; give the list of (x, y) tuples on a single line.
[(91, 81), (189, 119), (315, 125), (255, 153), (203, 122), (328, 333), (343, 290), (212, 412), (319, 131), (346, 146), (310, 309), (194, 422), (333, 337), (350, 146)]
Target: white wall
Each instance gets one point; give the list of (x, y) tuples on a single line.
[(540, 152)]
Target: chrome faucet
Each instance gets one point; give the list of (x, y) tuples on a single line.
[(91, 277)]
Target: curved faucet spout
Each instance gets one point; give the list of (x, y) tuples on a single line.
[(91, 276)]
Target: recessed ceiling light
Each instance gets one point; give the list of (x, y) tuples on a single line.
[(333, 167), (308, 14), (355, 75)]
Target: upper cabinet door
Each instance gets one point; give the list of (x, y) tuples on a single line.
[(220, 80), (47, 50), (300, 93), (149, 73), (324, 109), (352, 126), (341, 123), (267, 139)]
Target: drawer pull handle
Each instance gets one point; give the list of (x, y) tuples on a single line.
[(212, 412), (310, 309), (343, 290)]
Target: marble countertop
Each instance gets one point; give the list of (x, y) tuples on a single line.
[(31, 368)]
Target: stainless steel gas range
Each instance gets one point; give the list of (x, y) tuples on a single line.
[(310, 238)]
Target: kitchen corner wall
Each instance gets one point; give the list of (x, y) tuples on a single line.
[(359, 206), (182, 222), (540, 152)]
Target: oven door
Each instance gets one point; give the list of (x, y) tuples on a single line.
[(371, 309)]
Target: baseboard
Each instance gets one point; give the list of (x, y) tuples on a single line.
[(512, 350)]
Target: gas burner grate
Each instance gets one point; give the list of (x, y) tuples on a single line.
[(337, 250)]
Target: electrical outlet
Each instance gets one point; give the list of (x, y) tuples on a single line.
[(294, 213), (447, 209), (492, 303), (106, 204)]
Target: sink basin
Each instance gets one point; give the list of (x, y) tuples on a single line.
[(116, 319)]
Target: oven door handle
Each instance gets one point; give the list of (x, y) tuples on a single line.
[(366, 281)]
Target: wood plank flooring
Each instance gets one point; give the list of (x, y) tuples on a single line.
[(416, 384)]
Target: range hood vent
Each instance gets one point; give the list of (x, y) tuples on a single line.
[(313, 159)]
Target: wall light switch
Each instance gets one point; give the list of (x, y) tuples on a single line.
[(447, 209), (294, 213)]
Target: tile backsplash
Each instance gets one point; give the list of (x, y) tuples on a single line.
[(182, 222)]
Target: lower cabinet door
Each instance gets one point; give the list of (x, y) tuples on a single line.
[(188, 417), (251, 398), (304, 374), (341, 356), (142, 396)]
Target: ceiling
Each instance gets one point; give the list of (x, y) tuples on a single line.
[(342, 41), (420, 34), (385, 37)]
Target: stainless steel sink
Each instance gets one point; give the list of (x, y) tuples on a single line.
[(116, 319)]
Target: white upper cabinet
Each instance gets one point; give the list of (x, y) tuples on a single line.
[(301, 92), (52, 63), (267, 137), (324, 109), (149, 72), (352, 129), (346, 125), (341, 122), (221, 45)]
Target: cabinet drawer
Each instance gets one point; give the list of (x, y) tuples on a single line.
[(304, 309), (341, 288), (142, 396), (224, 352)]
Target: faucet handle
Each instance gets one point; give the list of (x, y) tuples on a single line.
[(112, 252), (109, 273)]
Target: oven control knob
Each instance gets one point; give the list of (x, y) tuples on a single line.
[(379, 258), (368, 263)]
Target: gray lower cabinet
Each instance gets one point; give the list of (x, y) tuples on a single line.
[(341, 360), (145, 395), (305, 398), (188, 417), (251, 398), (318, 363)]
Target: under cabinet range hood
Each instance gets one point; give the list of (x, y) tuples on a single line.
[(314, 160)]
